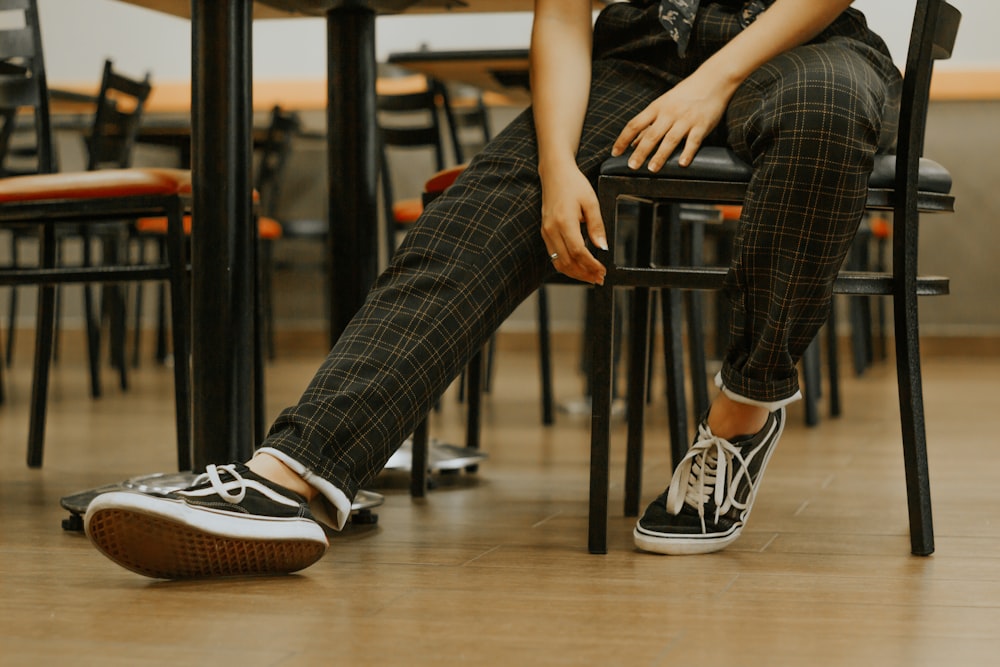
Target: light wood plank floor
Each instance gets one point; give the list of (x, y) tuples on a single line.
[(492, 569)]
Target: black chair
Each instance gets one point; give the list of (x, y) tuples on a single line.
[(905, 184), (409, 119), (53, 202), (109, 143)]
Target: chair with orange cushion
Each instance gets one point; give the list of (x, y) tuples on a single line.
[(273, 152), (53, 202), (409, 118), (109, 140)]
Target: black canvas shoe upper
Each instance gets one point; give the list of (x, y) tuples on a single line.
[(236, 488), (713, 487)]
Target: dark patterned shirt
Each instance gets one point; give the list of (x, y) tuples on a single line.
[(677, 17)]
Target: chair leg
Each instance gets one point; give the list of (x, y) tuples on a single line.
[(639, 335), (833, 361), (137, 317), (419, 455), (811, 376), (474, 383), (161, 309), (545, 357), (181, 329), (266, 277), (44, 333), (695, 302), (12, 313), (911, 412), (600, 427), (673, 358), (673, 350), (118, 326), (260, 338), (91, 324)]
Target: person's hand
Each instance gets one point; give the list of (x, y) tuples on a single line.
[(569, 204), (684, 115)]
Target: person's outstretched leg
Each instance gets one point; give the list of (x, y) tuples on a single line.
[(810, 122), (473, 257)]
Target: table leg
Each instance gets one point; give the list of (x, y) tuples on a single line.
[(222, 237), (352, 162)]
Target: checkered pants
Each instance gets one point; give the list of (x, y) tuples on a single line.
[(810, 122)]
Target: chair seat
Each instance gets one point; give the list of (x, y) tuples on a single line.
[(102, 184), (267, 228), (715, 163), (440, 181), (406, 211)]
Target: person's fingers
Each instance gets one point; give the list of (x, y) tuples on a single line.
[(631, 131)]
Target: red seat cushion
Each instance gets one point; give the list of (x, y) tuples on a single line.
[(440, 181), (407, 210), (267, 228), (102, 184)]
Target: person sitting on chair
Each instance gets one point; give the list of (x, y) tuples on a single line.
[(802, 90)]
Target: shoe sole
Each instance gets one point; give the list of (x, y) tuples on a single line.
[(684, 546), (674, 545), (168, 539)]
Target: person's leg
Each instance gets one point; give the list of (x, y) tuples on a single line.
[(475, 254), (810, 123)]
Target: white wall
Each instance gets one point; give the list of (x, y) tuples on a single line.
[(80, 34)]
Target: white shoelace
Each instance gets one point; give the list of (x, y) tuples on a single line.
[(709, 470), (212, 473)]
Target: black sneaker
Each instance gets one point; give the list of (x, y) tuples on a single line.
[(230, 522), (710, 496)]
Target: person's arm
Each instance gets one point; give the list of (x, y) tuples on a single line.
[(691, 110), (561, 38)]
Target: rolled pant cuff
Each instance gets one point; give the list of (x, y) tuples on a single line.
[(770, 405), (333, 507)]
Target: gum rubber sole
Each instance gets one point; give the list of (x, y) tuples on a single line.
[(158, 547)]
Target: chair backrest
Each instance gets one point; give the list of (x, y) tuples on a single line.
[(935, 27), (273, 154), (409, 117), (120, 105), (23, 89)]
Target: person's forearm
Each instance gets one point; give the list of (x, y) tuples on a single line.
[(561, 40), (784, 25)]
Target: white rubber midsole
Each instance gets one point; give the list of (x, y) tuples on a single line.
[(215, 522)]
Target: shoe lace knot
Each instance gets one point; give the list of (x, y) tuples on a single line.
[(225, 488), (709, 471)]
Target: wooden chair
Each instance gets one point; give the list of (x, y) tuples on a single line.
[(51, 202), (905, 184)]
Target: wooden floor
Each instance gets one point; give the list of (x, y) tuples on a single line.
[(492, 568)]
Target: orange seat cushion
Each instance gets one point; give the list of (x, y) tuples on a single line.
[(102, 184), (267, 228), (880, 227), (440, 181), (731, 211), (407, 210)]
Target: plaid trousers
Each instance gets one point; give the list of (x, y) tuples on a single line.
[(809, 122)]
